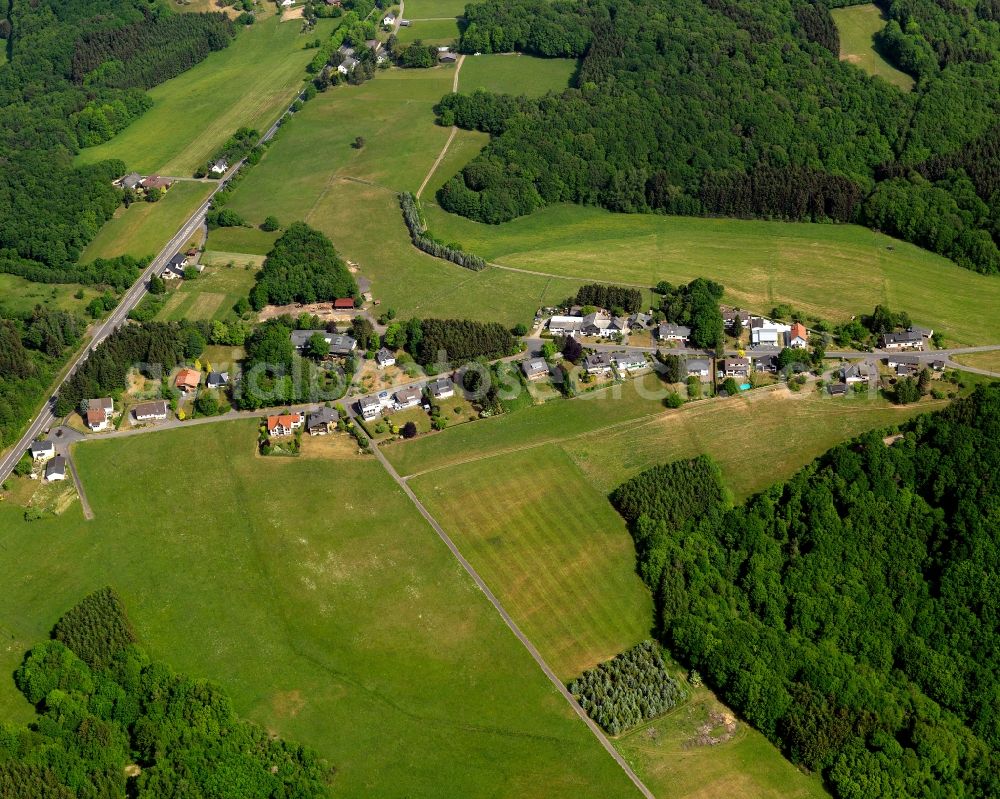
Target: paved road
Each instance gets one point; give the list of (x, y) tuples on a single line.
[(129, 300), (512, 625)]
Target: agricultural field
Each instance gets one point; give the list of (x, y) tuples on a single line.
[(829, 271), (18, 295), (244, 240), (442, 31), (434, 9), (552, 547), (213, 293), (515, 74), (349, 628), (250, 83), (981, 360), (857, 26), (144, 228)]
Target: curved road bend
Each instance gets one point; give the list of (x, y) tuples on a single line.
[(117, 318), (512, 625)]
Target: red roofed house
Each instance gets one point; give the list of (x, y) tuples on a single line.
[(285, 424), (798, 336), (187, 380), (98, 415), (347, 302)]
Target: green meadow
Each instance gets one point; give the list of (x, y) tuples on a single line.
[(214, 292), (312, 590), (857, 26), (248, 84), (515, 74), (144, 228), (19, 296), (443, 31), (249, 240)]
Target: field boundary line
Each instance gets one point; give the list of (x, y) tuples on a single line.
[(451, 136), (512, 625)]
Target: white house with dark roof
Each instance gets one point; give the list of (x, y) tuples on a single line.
[(384, 358), (598, 363), (217, 379), (854, 373), (765, 333), (42, 450), (565, 325), (150, 411), (219, 167), (699, 367), (535, 369), (55, 469), (907, 340), (629, 361), (668, 331), (370, 408), (442, 388), (175, 267), (321, 421)]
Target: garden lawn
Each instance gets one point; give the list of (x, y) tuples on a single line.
[(857, 26), (144, 228), (250, 83), (18, 295), (829, 271), (515, 74), (316, 595), (211, 295), (551, 547)]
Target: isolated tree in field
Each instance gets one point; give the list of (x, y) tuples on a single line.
[(359, 143), (270, 224), (317, 346)]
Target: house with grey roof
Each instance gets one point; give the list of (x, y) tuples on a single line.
[(384, 358), (131, 181), (854, 373), (322, 421), (42, 450), (55, 469), (629, 361), (535, 369), (442, 388), (598, 363), (217, 379), (668, 331), (370, 407), (735, 367), (407, 398), (907, 340), (699, 367)]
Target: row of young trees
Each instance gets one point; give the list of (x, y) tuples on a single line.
[(847, 613), (112, 722), (303, 266), (632, 687), (423, 240), (456, 341), (745, 132)]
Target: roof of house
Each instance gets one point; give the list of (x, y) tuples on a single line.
[(535, 366), (105, 404), (369, 402), (764, 361), (348, 63), (926, 332), (440, 386), (407, 395), (566, 322), (56, 466), (629, 358), (911, 360), (285, 420), (343, 302), (732, 363), (906, 337), (178, 260), (41, 446), (798, 331), (96, 416), (322, 417), (597, 319), (154, 408), (131, 180), (698, 364), (670, 329), (837, 388), (639, 319), (597, 360), (218, 378), (301, 337), (385, 354), (858, 370), (187, 378), (341, 345)]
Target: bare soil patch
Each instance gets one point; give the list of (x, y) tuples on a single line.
[(323, 310)]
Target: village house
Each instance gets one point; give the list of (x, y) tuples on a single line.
[(565, 325), (854, 373), (837, 389), (735, 367), (407, 398), (731, 315), (442, 388), (219, 167), (447, 57), (535, 369), (322, 421), (42, 450), (150, 411), (217, 379), (131, 181), (668, 331), (155, 182), (764, 332), (389, 20), (187, 380), (602, 325), (175, 267), (629, 361), (347, 65), (342, 345), (798, 336), (284, 424), (907, 340), (598, 363), (385, 357), (98, 415), (895, 361), (370, 407), (639, 321), (55, 469), (699, 367), (339, 344), (764, 363)]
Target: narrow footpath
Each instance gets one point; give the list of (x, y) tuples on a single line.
[(451, 136), (512, 625)]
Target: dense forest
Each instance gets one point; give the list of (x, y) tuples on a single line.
[(303, 266), (75, 77), (851, 614), (741, 108), (111, 722)]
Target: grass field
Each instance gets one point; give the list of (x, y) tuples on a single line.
[(18, 295), (252, 241), (981, 360), (552, 546), (349, 627), (213, 293), (831, 271), (430, 31), (144, 228), (515, 74), (431, 9), (249, 83), (857, 26)]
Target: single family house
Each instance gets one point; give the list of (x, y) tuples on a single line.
[(284, 424), (217, 379), (385, 357), (798, 336), (668, 331), (219, 167), (131, 181), (764, 332), (150, 411), (370, 407), (854, 373), (342, 345), (175, 267), (42, 450), (699, 367), (836, 389), (55, 469), (347, 65), (322, 421), (187, 380), (629, 361), (764, 363), (598, 363), (735, 367), (442, 388), (535, 369), (907, 340), (98, 415), (565, 325)]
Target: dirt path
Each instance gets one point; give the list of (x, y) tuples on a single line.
[(512, 626), (451, 136), (88, 514)]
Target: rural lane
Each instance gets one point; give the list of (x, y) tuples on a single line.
[(512, 625), (451, 136), (117, 318)]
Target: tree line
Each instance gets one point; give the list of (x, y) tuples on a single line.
[(423, 240), (847, 613), (737, 132), (303, 266), (110, 721), (619, 299)]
